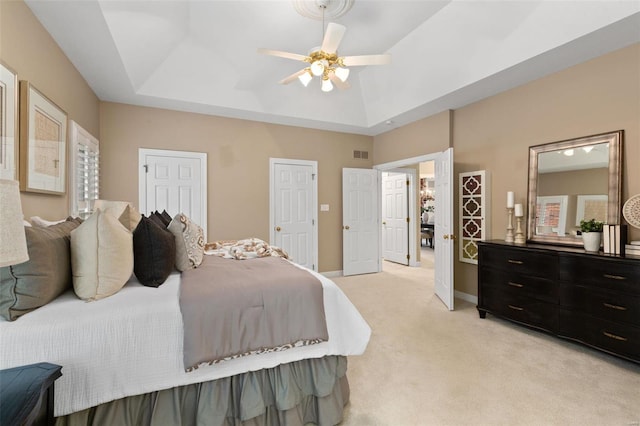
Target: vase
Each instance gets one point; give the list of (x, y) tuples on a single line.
[(591, 241)]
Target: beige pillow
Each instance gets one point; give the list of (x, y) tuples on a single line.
[(42, 223), (189, 242), (46, 275), (124, 211), (101, 256)]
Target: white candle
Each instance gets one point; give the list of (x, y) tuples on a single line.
[(510, 199), (518, 210)]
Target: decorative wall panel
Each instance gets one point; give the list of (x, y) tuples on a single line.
[(475, 202)]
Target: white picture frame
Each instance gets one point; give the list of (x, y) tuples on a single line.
[(43, 143), (591, 207), (8, 123)]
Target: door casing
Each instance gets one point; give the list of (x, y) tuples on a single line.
[(142, 185), (314, 202)]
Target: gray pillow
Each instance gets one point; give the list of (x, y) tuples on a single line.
[(189, 242), (47, 274)]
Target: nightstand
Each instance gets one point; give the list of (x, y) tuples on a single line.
[(26, 394)]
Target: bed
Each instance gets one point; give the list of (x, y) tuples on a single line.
[(123, 362)]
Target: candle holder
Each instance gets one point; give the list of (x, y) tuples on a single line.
[(509, 237), (519, 239)]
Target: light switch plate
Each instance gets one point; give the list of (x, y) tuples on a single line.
[(324, 207)]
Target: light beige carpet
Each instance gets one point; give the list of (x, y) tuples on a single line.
[(427, 366)]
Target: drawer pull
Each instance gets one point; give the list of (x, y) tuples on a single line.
[(516, 308), (616, 307), (614, 336), (512, 284), (615, 277), (516, 262)]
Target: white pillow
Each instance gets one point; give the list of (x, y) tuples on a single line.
[(42, 223), (189, 242), (101, 256), (124, 211)]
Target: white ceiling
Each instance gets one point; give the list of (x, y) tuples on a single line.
[(200, 56)]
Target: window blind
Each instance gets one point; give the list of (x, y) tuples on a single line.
[(85, 180)]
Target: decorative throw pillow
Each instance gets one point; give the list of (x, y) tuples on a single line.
[(47, 274), (38, 221), (101, 256), (122, 210), (189, 242), (166, 217), (153, 217), (154, 252)]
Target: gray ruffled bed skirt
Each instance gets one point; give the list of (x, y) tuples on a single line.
[(311, 391)]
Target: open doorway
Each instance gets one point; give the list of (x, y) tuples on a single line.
[(408, 213), (442, 238)]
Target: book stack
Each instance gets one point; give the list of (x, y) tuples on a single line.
[(614, 239), (632, 249)]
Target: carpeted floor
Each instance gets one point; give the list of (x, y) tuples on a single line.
[(427, 366)]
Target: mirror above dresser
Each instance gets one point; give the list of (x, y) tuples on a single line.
[(572, 180)]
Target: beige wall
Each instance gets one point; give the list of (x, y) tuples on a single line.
[(29, 50), (427, 136), (493, 134), (598, 96), (238, 171)]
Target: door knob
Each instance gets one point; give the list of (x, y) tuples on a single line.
[(346, 227), (384, 223), (278, 228)]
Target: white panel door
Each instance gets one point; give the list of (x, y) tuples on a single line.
[(360, 218), (443, 230), (174, 181), (294, 211), (395, 211)]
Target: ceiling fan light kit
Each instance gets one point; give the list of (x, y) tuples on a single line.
[(325, 62)]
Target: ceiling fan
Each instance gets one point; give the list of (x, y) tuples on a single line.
[(325, 62)]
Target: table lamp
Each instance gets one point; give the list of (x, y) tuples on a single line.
[(13, 243)]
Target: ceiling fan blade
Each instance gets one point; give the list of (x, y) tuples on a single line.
[(333, 37), (354, 61), (293, 76), (342, 85), (281, 54)]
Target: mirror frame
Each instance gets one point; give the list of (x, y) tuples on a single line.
[(615, 182)]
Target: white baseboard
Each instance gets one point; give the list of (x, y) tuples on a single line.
[(466, 297), (332, 274)]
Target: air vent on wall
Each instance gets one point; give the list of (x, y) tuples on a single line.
[(361, 154)]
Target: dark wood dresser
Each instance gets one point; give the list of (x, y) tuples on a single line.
[(591, 298)]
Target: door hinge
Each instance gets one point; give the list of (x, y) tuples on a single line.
[(408, 220), (408, 256), (313, 176), (407, 183), (313, 267), (146, 168), (313, 221)]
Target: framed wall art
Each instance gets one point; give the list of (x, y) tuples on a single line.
[(43, 143), (8, 123)]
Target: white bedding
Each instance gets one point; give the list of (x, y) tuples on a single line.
[(131, 343)]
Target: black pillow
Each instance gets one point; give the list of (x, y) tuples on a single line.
[(154, 253), (166, 217), (155, 218)]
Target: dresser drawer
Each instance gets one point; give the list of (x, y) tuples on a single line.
[(604, 273), (601, 303), (522, 285), (518, 308), (521, 262), (620, 339)]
